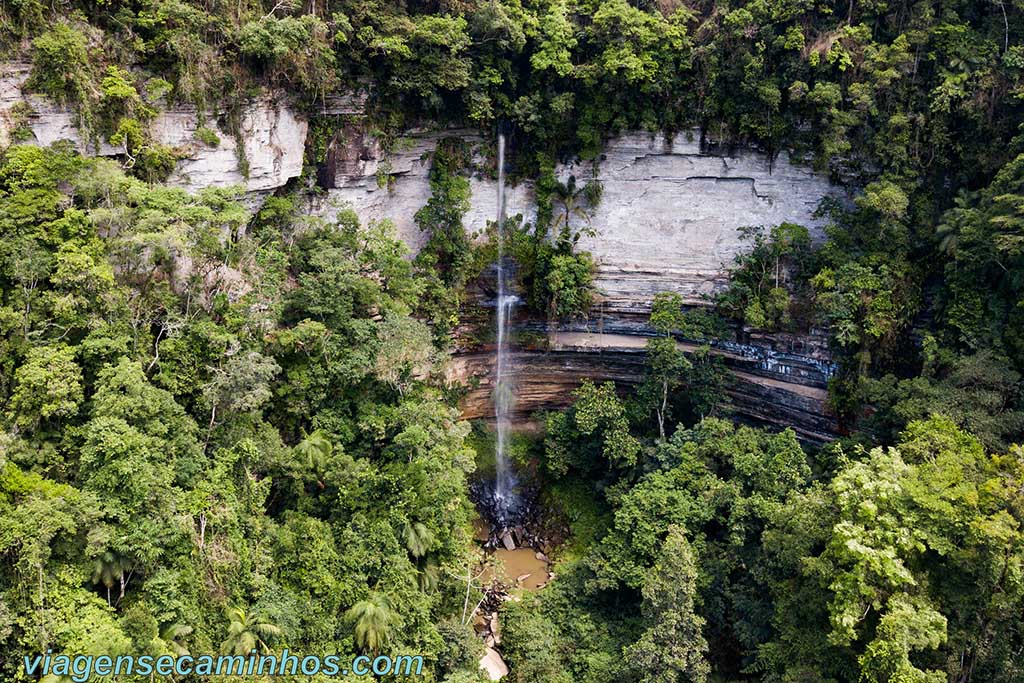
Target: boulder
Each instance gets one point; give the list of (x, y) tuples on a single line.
[(480, 624), (493, 664)]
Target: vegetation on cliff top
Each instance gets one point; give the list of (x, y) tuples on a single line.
[(218, 425), (917, 105)]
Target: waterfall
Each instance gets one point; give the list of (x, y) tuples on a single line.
[(503, 372)]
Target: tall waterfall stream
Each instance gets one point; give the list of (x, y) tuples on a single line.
[(504, 380)]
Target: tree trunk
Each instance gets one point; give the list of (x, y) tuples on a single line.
[(661, 411)]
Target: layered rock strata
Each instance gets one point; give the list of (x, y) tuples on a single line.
[(768, 386), (668, 220), (669, 214)]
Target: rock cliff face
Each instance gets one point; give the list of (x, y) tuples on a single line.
[(668, 221), (394, 185), (271, 134), (772, 384), (669, 214)]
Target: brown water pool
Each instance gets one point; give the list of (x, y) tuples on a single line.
[(520, 562)]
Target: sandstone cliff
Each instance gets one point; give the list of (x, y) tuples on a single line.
[(271, 134), (668, 218), (668, 221)]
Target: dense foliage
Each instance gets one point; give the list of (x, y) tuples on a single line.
[(225, 431), (917, 104), (731, 554), (198, 457)]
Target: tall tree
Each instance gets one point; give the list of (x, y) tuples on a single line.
[(672, 649)]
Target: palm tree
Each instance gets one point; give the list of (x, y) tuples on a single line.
[(315, 449), (109, 568), (418, 538), (246, 632), (373, 620), (954, 223), (571, 198), (172, 635), (429, 574)]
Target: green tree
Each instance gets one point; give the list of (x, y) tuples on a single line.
[(48, 386), (109, 569), (535, 645), (672, 648), (372, 621), (406, 352), (418, 538), (61, 67), (593, 433), (914, 553), (241, 385), (768, 284), (574, 201), (666, 366), (677, 385), (570, 285), (666, 362), (315, 450), (246, 632)]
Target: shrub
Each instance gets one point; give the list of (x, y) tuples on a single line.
[(570, 284), (61, 69), (129, 135), (441, 218), (157, 88), (295, 49), (207, 136), (17, 118), (155, 162), (60, 64), (120, 101), (117, 86)]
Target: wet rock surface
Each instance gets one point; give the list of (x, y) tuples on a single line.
[(775, 387), (516, 521), (512, 533)]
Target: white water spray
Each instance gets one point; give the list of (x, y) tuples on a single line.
[(503, 371)]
